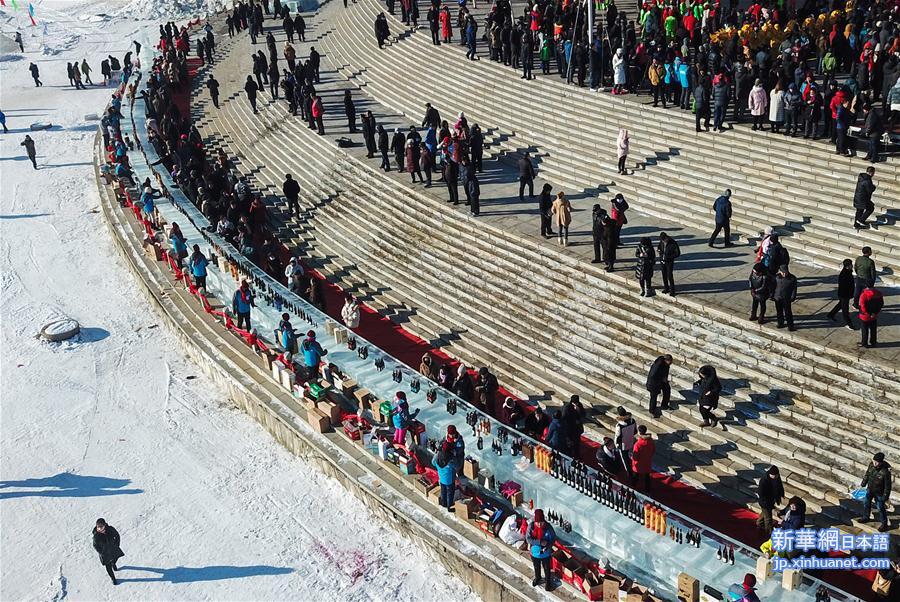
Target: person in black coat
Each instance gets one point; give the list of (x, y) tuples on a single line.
[(369, 131), (432, 117), (382, 32), (536, 423), (291, 190), (213, 85), (526, 177), (862, 198), (658, 382), (785, 294), (646, 257), (598, 216), (398, 146), (760, 286), (473, 191), (845, 289), (573, 422), (667, 251), (476, 147), (526, 55), (350, 111), (106, 542), (709, 388), (769, 493), (545, 207), (251, 89), (384, 147)]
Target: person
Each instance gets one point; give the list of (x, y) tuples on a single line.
[(251, 89), (28, 143), (18, 40), (463, 387), (745, 592), (573, 424), (526, 177), (769, 493), (599, 217), (658, 382), (865, 270), (86, 71), (792, 516), (873, 129), (760, 286), (608, 456), (457, 446), (812, 114), (35, 75), (107, 543), (536, 423), (642, 457), (792, 102), (709, 388), (668, 251), (426, 162), (626, 429), (721, 94), (618, 207), (398, 147), (862, 198), (545, 208), (315, 63), (179, 244), (622, 146), (871, 301), (556, 435), (291, 191), (3, 122), (312, 352), (241, 303), (877, 482), (656, 74), (401, 417), (540, 537), (776, 107), (562, 211), (759, 102), (476, 148), (784, 295), (350, 111), (722, 208), (428, 368), (287, 336), (383, 147), (350, 313), (511, 531), (486, 387), (446, 477), (509, 412), (845, 290), (471, 36), (701, 106), (318, 112), (198, 263), (842, 120), (473, 190), (382, 32), (618, 65), (212, 84), (646, 258)]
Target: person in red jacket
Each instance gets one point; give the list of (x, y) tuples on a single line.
[(642, 457), (870, 303), (318, 111)]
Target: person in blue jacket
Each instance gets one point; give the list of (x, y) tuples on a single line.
[(241, 304), (286, 335), (540, 537), (198, 263), (684, 79), (556, 433), (312, 352), (446, 477), (147, 204), (722, 207), (401, 417), (3, 122), (179, 244)]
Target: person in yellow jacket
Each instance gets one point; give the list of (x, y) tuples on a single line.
[(656, 74)]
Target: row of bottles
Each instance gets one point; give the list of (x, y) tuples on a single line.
[(725, 554), (555, 518), (654, 518)]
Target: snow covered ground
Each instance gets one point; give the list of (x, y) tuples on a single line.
[(116, 424)]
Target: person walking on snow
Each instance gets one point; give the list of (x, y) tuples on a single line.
[(28, 143), (86, 71), (106, 542), (35, 75)]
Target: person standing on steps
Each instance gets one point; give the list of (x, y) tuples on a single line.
[(769, 494), (288, 25), (212, 84), (300, 27), (709, 388), (241, 303), (526, 177), (877, 482), (398, 147), (383, 147), (451, 177), (668, 251), (432, 117), (369, 130), (618, 207), (106, 542), (86, 71), (845, 291), (471, 35), (412, 158), (433, 24), (658, 382), (291, 191), (722, 207), (274, 77), (28, 143), (862, 198), (527, 55), (598, 232), (760, 287), (701, 105), (382, 32), (18, 40), (545, 208), (623, 143), (426, 162), (646, 258), (871, 301), (350, 112), (315, 61), (873, 129), (562, 211), (251, 89), (785, 294), (626, 429), (473, 191), (318, 113), (540, 537), (865, 274), (476, 147)]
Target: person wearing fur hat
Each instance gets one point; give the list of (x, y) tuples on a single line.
[(463, 386), (540, 537), (642, 457)]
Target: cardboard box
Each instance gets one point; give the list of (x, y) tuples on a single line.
[(333, 411), (790, 579), (340, 336), (268, 356), (470, 468), (568, 569), (592, 586), (465, 509), (517, 499), (348, 385), (688, 588), (153, 250), (610, 589), (288, 379), (423, 486), (363, 398), (434, 494), (277, 369), (636, 593), (763, 569), (319, 420)]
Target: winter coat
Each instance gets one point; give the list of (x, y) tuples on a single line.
[(107, 545), (877, 480), (400, 416), (785, 288), (870, 303), (556, 437), (625, 434), (646, 259), (769, 492), (668, 251), (710, 389), (759, 100), (658, 374), (759, 285), (446, 474), (242, 301), (721, 94), (846, 284), (722, 207), (198, 265), (562, 210), (350, 314), (473, 189), (312, 352), (776, 106), (812, 109), (864, 190), (622, 145), (793, 520), (618, 64), (540, 548), (642, 454)]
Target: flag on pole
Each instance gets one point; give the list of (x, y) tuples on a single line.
[(31, 14)]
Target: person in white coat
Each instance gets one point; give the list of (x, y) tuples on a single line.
[(776, 107), (511, 532), (759, 102), (622, 145), (618, 65), (350, 313)]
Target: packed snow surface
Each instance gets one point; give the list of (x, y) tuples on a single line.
[(115, 423)]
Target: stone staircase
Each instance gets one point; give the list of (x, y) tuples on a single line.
[(569, 328), (678, 173)]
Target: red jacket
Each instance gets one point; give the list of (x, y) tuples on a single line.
[(317, 108), (865, 298), (642, 454)]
